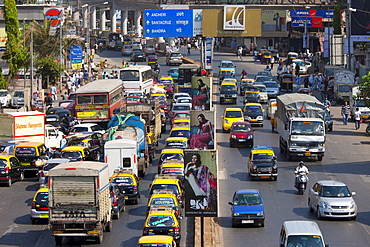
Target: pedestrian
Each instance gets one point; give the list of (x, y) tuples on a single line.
[(73, 88), (298, 81), (196, 44), (86, 77), (311, 81), (358, 118), (63, 142), (297, 68), (286, 69), (267, 68), (64, 96), (115, 75), (272, 61), (281, 63), (53, 91), (105, 75), (69, 86), (345, 112), (189, 47), (152, 116), (255, 55), (240, 53), (322, 90), (48, 100), (305, 79), (357, 80), (103, 63)]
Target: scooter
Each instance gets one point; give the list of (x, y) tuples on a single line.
[(301, 182)]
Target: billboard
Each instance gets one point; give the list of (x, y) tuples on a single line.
[(212, 24), (197, 22), (360, 21), (309, 21), (201, 93), (201, 183), (234, 17), (273, 20), (202, 131)]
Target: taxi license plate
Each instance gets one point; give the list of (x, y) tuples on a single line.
[(227, 99), (247, 221), (242, 140), (264, 177), (126, 197), (44, 215), (307, 153)]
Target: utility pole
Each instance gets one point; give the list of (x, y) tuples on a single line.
[(348, 30), (31, 72)]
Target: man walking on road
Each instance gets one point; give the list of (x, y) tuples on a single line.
[(240, 53), (272, 61), (357, 116), (345, 113)]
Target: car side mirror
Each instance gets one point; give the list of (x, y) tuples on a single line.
[(353, 193), (315, 193), (230, 203)]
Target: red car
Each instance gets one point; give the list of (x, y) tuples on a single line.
[(169, 89), (241, 133), (164, 107), (180, 115)]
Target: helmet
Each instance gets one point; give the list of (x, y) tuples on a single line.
[(301, 162)]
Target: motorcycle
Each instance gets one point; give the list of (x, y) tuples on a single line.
[(301, 182)]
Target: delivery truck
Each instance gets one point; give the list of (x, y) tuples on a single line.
[(79, 201), (299, 121)]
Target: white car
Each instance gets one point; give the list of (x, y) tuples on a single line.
[(303, 66), (52, 137), (5, 98), (180, 107), (332, 199), (187, 100), (263, 93), (87, 127)]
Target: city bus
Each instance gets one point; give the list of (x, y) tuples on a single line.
[(137, 78), (97, 100)]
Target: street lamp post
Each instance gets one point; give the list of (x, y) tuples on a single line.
[(305, 35), (348, 29)]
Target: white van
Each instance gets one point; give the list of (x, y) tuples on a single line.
[(301, 233)]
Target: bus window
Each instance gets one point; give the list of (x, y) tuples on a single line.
[(83, 99), (117, 95), (129, 75), (100, 99)]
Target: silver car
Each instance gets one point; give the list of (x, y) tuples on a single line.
[(17, 99), (332, 199), (44, 172), (272, 88)]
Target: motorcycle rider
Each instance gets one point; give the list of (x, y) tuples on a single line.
[(244, 74), (300, 168), (65, 122)]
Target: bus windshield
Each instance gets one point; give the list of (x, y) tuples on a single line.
[(129, 75)]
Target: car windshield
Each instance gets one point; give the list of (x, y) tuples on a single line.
[(173, 170), (180, 133), (271, 84), (162, 202), (155, 245), (3, 93), (233, 114), (227, 87), (42, 198), (129, 75), (176, 144), (241, 128), (263, 156), (305, 240), (27, 151), (77, 143), (19, 94), (335, 191), (247, 199), (251, 95), (262, 78), (262, 89), (253, 108), (161, 220), (167, 86), (307, 128), (184, 100), (122, 181), (71, 155), (171, 157), (3, 163), (181, 108), (80, 129), (172, 187), (182, 115), (344, 88), (49, 166), (227, 65)]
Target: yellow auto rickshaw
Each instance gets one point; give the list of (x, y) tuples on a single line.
[(153, 61)]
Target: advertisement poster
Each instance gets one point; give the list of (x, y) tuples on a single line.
[(201, 183), (234, 17), (208, 53), (197, 22), (360, 20), (201, 93), (202, 130), (273, 20)]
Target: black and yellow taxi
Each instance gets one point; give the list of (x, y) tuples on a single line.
[(230, 116), (78, 153), (32, 155), (163, 221), (177, 142), (128, 182), (40, 205), (11, 169), (164, 198), (262, 163), (167, 182), (156, 241), (170, 154), (174, 167)]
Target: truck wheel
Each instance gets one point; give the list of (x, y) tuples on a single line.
[(58, 240), (109, 226), (99, 239), (319, 158)]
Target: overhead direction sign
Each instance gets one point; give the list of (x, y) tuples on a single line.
[(168, 23), (313, 13)]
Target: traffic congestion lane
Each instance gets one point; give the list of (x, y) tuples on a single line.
[(281, 199)]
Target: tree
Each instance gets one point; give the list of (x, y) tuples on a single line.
[(3, 82), (337, 22), (15, 53), (365, 89), (49, 69)]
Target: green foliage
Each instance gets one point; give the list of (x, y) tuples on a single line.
[(3, 82), (365, 89), (49, 69), (337, 23), (15, 53)]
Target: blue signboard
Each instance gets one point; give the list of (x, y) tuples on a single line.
[(313, 13), (310, 21), (168, 23), (76, 54)]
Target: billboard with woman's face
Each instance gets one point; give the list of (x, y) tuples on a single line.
[(202, 130), (201, 88), (201, 183)]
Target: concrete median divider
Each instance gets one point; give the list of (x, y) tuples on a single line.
[(207, 232)]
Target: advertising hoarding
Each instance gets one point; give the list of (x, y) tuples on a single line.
[(234, 17), (202, 131), (273, 20), (310, 21), (360, 21), (201, 93), (201, 195)]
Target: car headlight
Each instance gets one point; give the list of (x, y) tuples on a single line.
[(260, 214), (274, 167), (260, 118), (233, 136), (234, 95), (250, 137), (222, 95), (236, 214), (247, 118), (353, 205), (226, 121), (325, 205), (293, 144), (254, 167)]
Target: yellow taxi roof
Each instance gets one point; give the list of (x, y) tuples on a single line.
[(43, 190), (180, 128), (155, 239), (228, 83), (173, 164), (262, 151), (30, 144), (166, 181), (229, 79), (252, 91), (247, 79), (74, 148), (253, 104), (233, 109), (168, 78), (172, 151), (183, 139), (123, 174), (181, 120), (158, 94), (170, 211)]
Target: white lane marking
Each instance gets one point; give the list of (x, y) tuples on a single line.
[(222, 175), (366, 178), (11, 228)]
